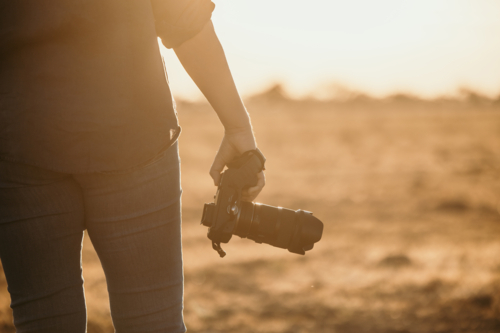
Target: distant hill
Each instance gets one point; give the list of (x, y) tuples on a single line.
[(465, 97)]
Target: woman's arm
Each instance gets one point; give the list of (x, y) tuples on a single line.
[(204, 60)]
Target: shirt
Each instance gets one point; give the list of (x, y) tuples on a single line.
[(82, 82)]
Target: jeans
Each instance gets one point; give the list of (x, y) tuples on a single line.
[(133, 220)]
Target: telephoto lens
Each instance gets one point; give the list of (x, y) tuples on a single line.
[(296, 231)]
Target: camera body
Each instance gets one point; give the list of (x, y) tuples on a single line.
[(296, 231)]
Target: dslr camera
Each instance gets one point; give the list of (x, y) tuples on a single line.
[(296, 231)]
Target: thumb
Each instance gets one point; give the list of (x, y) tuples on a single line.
[(216, 169)]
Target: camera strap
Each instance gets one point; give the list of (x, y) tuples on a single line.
[(220, 251), (239, 161)]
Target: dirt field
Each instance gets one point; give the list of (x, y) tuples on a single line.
[(409, 193)]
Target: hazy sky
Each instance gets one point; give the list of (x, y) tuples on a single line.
[(425, 47)]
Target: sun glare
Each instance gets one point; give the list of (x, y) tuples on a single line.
[(427, 47)]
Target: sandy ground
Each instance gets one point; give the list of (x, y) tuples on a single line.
[(410, 199)]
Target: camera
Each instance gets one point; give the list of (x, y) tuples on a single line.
[(228, 215)]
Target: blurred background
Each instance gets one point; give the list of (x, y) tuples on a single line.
[(382, 118)]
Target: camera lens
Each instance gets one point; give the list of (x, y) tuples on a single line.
[(296, 231)]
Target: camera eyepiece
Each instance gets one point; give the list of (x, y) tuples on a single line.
[(208, 212)]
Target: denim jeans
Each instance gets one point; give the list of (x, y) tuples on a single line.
[(133, 220)]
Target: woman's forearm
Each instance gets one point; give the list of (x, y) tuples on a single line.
[(204, 60)]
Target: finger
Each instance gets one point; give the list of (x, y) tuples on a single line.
[(215, 177), (251, 193), (261, 182), (250, 197), (216, 169), (225, 154)]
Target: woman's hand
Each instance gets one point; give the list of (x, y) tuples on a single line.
[(234, 144)]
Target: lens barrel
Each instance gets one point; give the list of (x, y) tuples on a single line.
[(296, 231)]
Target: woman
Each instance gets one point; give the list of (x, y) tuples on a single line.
[(88, 141)]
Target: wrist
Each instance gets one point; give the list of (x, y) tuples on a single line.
[(236, 121), (241, 141), (232, 130)]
